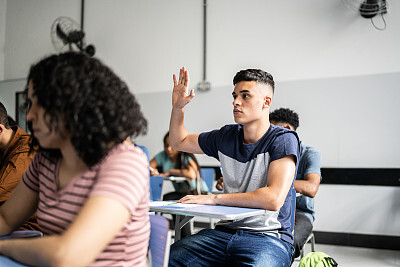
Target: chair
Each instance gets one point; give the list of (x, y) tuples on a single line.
[(208, 175), (292, 215), (159, 242), (311, 239), (156, 184)]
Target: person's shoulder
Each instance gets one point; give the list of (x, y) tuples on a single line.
[(20, 140), (124, 154), (231, 128), (126, 148), (308, 150)]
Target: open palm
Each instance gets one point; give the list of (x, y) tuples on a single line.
[(180, 94)]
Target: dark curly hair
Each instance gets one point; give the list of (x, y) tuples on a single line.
[(87, 98), (285, 115), (254, 75)]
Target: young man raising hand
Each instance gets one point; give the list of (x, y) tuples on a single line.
[(258, 163)]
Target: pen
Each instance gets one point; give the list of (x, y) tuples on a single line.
[(175, 203), (153, 170)]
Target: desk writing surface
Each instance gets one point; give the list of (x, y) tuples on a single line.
[(209, 211), (4, 261), (175, 178)]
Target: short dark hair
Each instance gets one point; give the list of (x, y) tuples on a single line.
[(93, 104), (254, 75), (4, 116), (285, 115)]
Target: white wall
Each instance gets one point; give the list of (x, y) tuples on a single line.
[(331, 65), (370, 210), (2, 34), (27, 36)]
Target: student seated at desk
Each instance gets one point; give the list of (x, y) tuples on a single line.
[(90, 188), (258, 162), (171, 162), (15, 158)]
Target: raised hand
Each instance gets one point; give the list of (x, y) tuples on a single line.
[(180, 94)]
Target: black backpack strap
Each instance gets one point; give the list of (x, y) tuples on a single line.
[(331, 261)]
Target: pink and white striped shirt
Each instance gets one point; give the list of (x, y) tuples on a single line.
[(123, 176)]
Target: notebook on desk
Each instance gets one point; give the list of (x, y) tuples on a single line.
[(22, 234)]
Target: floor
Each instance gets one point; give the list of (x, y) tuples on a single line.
[(351, 256), (357, 257)]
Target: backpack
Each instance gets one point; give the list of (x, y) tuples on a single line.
[(317, 259)]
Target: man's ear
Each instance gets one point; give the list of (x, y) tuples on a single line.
[(2, 129), (267, 102)]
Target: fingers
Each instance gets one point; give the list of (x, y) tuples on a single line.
[(174, 78), (184, 77), (185, 198), (186, 80)]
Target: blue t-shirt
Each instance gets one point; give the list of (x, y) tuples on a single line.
[(245, 169), (310, 162)]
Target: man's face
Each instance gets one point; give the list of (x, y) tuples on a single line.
[(251, 102)]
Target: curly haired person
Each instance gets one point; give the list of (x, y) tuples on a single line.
[(90, 188)]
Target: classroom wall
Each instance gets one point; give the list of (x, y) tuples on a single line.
[(332, 66), (2, 34)]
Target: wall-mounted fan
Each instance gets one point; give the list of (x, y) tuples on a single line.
[(66, 35), (369, 9)]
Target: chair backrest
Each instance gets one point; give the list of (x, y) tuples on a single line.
[(208, 175), (292, 215), (156, 184), (159, 242)]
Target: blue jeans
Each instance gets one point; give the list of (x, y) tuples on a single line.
[(227, 247)]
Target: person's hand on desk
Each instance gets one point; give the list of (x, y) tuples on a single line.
[(199, 199), (220, 184), (153, 172)]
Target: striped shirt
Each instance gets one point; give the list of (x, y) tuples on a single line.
[(123, 176)]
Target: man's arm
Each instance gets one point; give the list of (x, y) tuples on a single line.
[(179, 138), (308, 186), (272, 197)]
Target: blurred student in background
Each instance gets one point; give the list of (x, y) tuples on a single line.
[(307, 180), (90, 188), (171, 162), (14, 159)]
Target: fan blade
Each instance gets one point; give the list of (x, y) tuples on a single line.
[(61, 34)]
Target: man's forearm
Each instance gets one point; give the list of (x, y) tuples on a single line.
[(306, 188), (177, 130), (260, 199)]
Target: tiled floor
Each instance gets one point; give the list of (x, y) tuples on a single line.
[(357, 257)]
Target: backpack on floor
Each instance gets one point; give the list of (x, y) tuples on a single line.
[(317, 259)]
